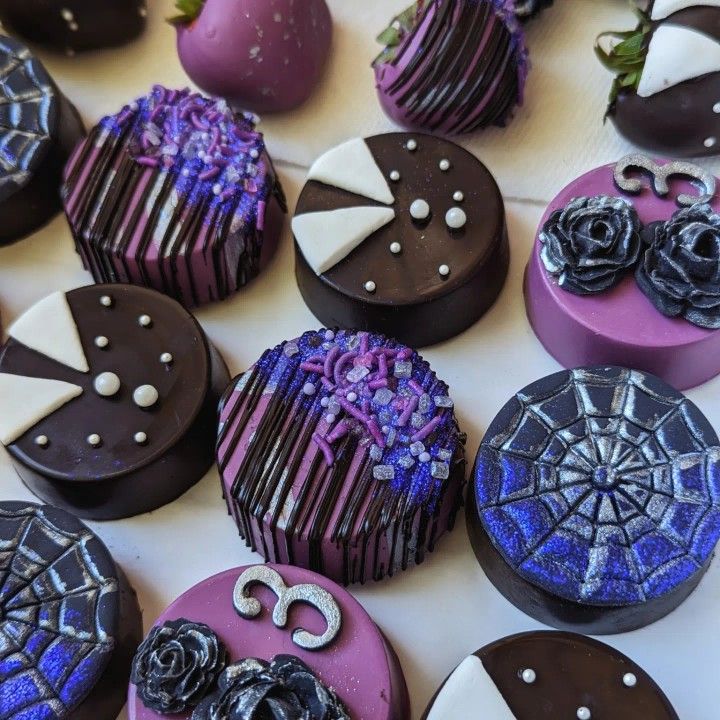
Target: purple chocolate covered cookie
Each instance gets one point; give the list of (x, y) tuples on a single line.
[(175, 192), (262, 56), (267, 642), (625, 272), (452, 66), (340, 452)]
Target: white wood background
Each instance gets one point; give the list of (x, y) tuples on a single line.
[(438, 613)]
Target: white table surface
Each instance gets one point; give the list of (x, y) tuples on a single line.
[(443, 610)]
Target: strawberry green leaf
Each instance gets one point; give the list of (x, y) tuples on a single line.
[(400, 27), (188, 11)]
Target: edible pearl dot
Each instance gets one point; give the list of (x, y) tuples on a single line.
[(584, 713), (455, 218), (329, 335), (140, 438), (217, 189), (325, 401), (185, 172), (424, 457), (106, 384), (254, 154), (145, 320), (67, 15), (41, 441), (710, 142), (370, 286), (444, 165), (352, 397), (166, 358), (716, 108), (106, 301), (395, 248), (329, 418), (629, 680), (309, 388), (101, 341), (419, 209), (529, 676), (145, 396), (395, 176), (411, 145), (94, 439), (458, 196), (142, 11), (444, 270), (73, 26)]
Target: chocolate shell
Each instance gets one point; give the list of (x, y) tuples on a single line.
[(400, 234), (340, 452), (452, 67), (176, 192), (596, 500), (110, 395), (69, 620), (38, 130), (548, 676), (72, 26)]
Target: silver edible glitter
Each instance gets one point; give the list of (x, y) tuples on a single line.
[(440, 470), (384, 472), (383, 396), (417, 448), (443, 401), (403, 369)]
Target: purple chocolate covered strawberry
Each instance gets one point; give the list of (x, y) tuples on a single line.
[(262, 55), (452, 66)]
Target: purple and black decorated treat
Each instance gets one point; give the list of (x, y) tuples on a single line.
[(667, 86), (69, 620), (452, 66), (259, 55), (38, 130), (596, 499), (175, 192), (72, 26), (109, 396), (340, 452)]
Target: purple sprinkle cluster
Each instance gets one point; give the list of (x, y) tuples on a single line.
[(200, 139)]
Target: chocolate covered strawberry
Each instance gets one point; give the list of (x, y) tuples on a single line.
[(262, 55)]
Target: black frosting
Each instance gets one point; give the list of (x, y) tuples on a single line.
[(591, 243), (680, 270), (176, 665), (284, 689)]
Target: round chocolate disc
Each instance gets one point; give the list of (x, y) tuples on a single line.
[(403, 234)]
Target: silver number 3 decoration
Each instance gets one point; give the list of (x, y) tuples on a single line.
[(248, 607), (660, 176)]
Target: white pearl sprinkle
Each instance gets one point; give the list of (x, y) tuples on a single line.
[(145, 396), (329, 335), (145, 320), (67, 15), (254, 154), (458, 196), (142, 11), (395, 176), (444, 165), (185, 172), (529, 676), (42, 441), (166, 358), (106, 301), (411, 145), (309, 388), (395, 248), (140, 438), (629, 680), (325, 401), (217, 189), (419, 209), (73, 26), (710, 142), (106, 384), (455, 218), (370, 286), (101, 341), (330, 418), (94, 439), (444, 270), (716, 108), (351, 397), (584, 713), (424, 457)]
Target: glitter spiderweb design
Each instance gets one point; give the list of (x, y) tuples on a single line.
[(601, 486), (27, 109), (58, 612)]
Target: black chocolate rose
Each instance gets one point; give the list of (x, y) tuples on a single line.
[(177, 665), (285, 689), (680, 271), (590, 244)]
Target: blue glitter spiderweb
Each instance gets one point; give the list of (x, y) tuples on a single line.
[(58, 612), (601, 486)]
